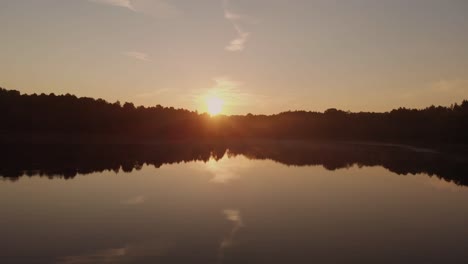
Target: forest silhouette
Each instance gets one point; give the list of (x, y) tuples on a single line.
[(70, 118)]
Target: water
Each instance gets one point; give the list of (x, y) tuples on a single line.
[(254, 202)]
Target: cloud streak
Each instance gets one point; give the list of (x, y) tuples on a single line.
[(227, 90), (137, 55), (236, 96), (156, 8), (238, 43), (119, 3)]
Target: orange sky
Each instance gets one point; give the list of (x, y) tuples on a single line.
[(258, 56)]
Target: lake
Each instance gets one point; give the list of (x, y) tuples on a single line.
[(233, 202)]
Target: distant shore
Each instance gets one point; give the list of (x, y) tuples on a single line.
[(71, 120)]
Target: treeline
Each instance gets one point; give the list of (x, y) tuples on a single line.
[(70, 115)]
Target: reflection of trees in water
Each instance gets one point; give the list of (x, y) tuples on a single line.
[(67, 161)]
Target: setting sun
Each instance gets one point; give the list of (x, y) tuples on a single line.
[(214, 105), (216, 131)]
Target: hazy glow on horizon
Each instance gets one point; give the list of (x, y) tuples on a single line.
[(214, 105), (257, 56)]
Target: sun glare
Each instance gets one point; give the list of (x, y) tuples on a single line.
[(214, 105)]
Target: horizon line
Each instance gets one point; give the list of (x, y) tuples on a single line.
[(229, 115)]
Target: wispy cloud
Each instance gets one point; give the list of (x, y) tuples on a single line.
[(235, 95), (238, 43), (137, 55), (157, 8), (119, 3), (227, 89)]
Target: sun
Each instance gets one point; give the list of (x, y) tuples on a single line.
[(214, 105)]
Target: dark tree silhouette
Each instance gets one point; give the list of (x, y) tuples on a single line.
[(68, 118)]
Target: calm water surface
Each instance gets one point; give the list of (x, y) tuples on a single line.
[(254, 203)]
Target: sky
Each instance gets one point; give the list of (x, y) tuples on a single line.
[(251, 56)]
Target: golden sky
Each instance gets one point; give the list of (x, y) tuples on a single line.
[(258, 56)]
